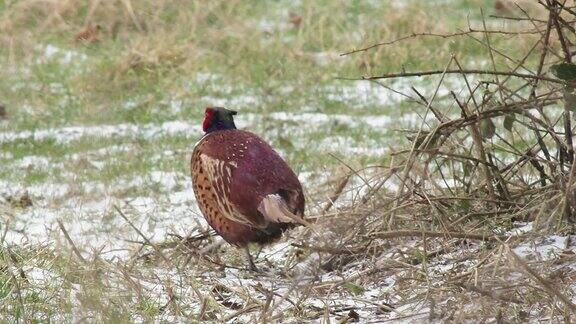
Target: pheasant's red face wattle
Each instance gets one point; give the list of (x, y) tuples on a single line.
[(208, 114)]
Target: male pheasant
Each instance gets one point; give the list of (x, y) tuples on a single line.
[(89, 35), (244, 189)]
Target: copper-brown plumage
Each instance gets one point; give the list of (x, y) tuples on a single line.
[(244, 189), (89, 35)]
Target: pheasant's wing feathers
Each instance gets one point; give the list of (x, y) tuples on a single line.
[(274, 209), (219, 174)]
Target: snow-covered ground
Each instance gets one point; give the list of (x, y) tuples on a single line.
[(71, 228)]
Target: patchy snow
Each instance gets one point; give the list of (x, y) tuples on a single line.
[(365, 92), (104, 151), (95, 225), (415, 119), (33, 161), (175, 106), (232, 102), (378, 121), (522, 228), (42, 277), (161, 205), (272, 24), (327, 58), (365, 151), (46, 193), (203, 77), (542, 249), (181, 197), (68, 134), (343, 145), (63, 56), (44, 190)]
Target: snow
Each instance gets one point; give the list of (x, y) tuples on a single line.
[(68, 134), (270, 26), (326, 58), (348, 146), (175, 106), (522, 229), (45, 190), (318, 119), (366, 92), (167, 207), (543, 249), (41, 277), (108, 150), (6, 155), (52, 52), (40, 162), (234, 101), (203, 77)]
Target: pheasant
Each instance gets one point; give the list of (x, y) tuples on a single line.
[(89, 35), (244, 189)]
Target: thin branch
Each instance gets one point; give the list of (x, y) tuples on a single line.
[(472, 71), (158, 250), (489, 237), (461, 33), (339, 188), (69, 239), (543, 282)]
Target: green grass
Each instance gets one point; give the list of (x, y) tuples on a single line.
[(260, 63), (180, 57)]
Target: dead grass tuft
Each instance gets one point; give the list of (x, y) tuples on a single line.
[(472, 222), (492, 152)]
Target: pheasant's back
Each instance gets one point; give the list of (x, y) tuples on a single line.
[(232, 172)]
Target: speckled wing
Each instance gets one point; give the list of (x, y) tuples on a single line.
[(211, 183), (264, 188)]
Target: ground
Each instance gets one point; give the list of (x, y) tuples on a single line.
[(98, 221)]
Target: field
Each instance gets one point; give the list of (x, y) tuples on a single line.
[(98, 221)]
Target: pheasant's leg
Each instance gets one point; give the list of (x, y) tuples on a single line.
[(251, 264)]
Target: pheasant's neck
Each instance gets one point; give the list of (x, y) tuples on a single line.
[(220, 126)]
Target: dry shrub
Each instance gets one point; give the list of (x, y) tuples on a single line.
[(145, 55), (494, 152)]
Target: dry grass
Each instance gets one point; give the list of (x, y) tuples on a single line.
[(494, 154), (430, 234)]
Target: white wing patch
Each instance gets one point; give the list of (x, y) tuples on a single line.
[(219, 174), (274, 209)]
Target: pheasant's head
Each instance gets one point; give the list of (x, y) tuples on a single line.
[(217, 118)]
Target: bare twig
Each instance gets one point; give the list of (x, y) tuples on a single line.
[(415, 35), (339, 188), (158, 250), (543, 282), (69, 239), (445, 234), (412, 156), (465, 71)]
